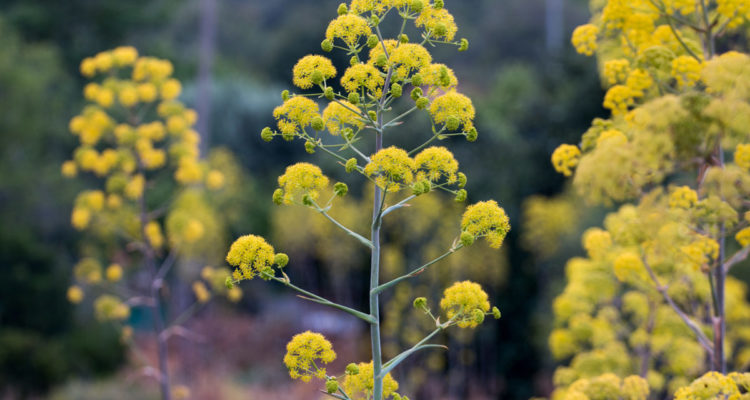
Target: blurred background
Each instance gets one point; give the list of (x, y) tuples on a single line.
[(234, 57)]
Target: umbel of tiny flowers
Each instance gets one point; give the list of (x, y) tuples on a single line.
[(380, 72)]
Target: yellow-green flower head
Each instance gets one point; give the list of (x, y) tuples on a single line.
[(151, 69), (742, 156), (377, 7), (686, 70), (639, 80), (711, 385), (363, 76), (434, 163), (377, 53), (408, 58), (296, 113), (743, 237), (616, 71), (735, 11), (359, 386), (618, 99), (486, 219), (310, 68), (108, 308), (88, 270), (453, 106), (392, 168), (461, 300), (565, 158), (251, 255), (628, 267), (439, 22), (438, 75), (300, 180), (349, 28), (303, 354), (584, 39), (723, 73), (683, 197), (75, 294), (596, 242), (701, 251), (612, 137), (338, 116)]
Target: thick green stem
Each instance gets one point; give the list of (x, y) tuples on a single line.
[(374, 282)]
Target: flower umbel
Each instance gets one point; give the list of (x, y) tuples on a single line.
[(251, 255), (462, 300), (300, 180), (486, 219), (303, 351)]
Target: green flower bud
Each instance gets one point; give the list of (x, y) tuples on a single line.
[(317, 123), (281, 260), (461, 196), (438, 4), (464, 45), (285, 95), (354, 61), (478, 316), (354, 98), (317, 77), (267, 273), (381, 60), (373, 115), (340, 189), (288, 136), (348, 133), (310, 147), (374, 20), (467, 239), (352, 369), (496, 312), (332, 386), (372, 41), (416, 80), (266, 134), (420, 303), (416, 94), (326, 45), (228, 282), (472, 134), (452, 123), (416, 5), (342, 9), (396, 396), (422, 103), (278, 197), (445, 79), (440, 30), (307, 200), (403, 38), (461, 179), (328, 93), (351, 165), (421, 187), (396, 90)]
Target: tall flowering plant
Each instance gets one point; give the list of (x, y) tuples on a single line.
[(381, 71)]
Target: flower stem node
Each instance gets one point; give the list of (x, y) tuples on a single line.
[(372, 41), (342, 9), (278, 197), (341, 189), (326, 45), (328, 93), (317, 123), (351, 165), (467, 239), (281, 259), (332, 386), (266, 134), (461, 196), (284, 95), (464, 45), (461, 179), (396, 90), (416, 94), (472, 134), (310, 147), (416, 6), (352, 369), (496, 313), (354, 98), (422, 103)]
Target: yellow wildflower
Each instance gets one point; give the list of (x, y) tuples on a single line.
[(616, 71), (88, 270), (109, 307), (363, 76), (338, 116), (359, 386), (453, 107), (462, 300), (584, 39), (124, 56), (486, 219), (296, 113), (596, 242), (612, 136), (202, 295), (391, 167), (312, 70), (408, 58), (439, 23), (300, 180), (565, 158), (303, 354), (434, 163), (742, 156), (170, 89), (683, 197), (134, 188), (618, 99), (251, 255), (80, 218), (146, 92), (113, 272), (214, 180), (154, 234), (75, 294), (743, 237), (686, 70), (638, 82), (349, 28), (438, 75), (629, 267)]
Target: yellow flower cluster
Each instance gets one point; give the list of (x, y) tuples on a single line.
[(628, 267), (75, 294), (742, 156), (684, 7), (683, 197), (88, 270), (406, 59), (392, 168), (434, 163), (735, 12), (359, 386), (616, 71), (454, 110), (565, 158), (611, 137), (251, 255), (363, 76), (743, 237), (618, 99), (465, 303), (701, 251), (596, 242), (686, 70), (304, 352), (584, 39), (639, 81), (295, 114), (301, 180), (349, 28), (312, 70), (339, 115), (714, 385), (107, 308), (486, 219), (608, 386), (113, 272), (202, 295), (106, 60), (438, 75), (438, 23)]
